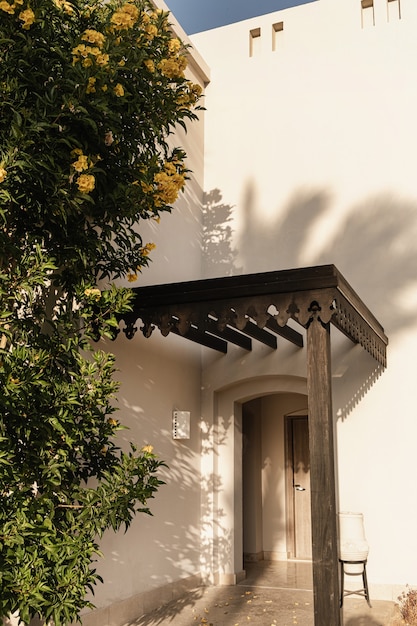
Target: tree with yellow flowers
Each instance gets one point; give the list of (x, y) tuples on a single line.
[(90, 92)]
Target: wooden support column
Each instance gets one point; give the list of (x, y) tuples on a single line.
[(322, 475)]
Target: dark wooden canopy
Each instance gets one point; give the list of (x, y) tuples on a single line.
[(240, 309)]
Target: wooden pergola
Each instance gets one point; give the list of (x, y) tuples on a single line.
[(257, 307)]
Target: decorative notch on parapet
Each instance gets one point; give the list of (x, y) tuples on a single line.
[(368, 13), (277, 36), (277, 41), (393, 10), (254, 41)]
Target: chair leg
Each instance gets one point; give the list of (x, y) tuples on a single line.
[(365, 585), (342, 583), (363, 592)]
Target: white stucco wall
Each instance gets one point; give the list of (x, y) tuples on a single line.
[(312, 148), (158, 376), (306, 156), (178, 236)]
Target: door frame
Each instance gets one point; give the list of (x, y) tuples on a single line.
[(289, 481), (221, 463)]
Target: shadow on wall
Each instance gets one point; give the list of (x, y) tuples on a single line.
[(374, 248), (276, 244), (182, 541), (354, 373), (219, 258)]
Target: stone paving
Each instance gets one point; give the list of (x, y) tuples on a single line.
[(273, 594)]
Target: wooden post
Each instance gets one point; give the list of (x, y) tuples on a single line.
[(322, 475)]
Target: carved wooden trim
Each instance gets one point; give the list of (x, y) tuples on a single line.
[(348, 321)]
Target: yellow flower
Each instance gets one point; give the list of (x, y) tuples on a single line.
[(86, 183), (147, 449), (79, 51), (6, 7), (93, 36), (125, 17), (88, 54), (174, 46), (146, 187), (91, 86), (112, 421), (93, 293), (169, 182), (131, 277), (168, 187), (190, 96), (150, 65), (94, 50), (3, 174), (147, 248), (151, 31), (118, 90), (170, 168), (102, 59), (131, 10), (173, 68), (27, 17), (196, 90), (183, 100), (65, 6), (82, 162)]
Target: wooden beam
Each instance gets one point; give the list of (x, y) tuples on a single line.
[(203, 338), (286, 331), (260, 334), (228, 334), (323, 491)]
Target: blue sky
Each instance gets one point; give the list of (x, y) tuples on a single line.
[(198, 15)]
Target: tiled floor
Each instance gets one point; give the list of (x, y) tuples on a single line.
[(297, 575), (272, 594)]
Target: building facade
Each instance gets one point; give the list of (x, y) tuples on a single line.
[(304, 156)]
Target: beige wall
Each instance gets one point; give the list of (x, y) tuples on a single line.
[(178, 236), (307, 156), (158, 376), (312, 150)]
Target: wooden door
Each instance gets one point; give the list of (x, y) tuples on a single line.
[(298, 489)]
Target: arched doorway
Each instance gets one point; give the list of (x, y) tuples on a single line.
[(268, 531)]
